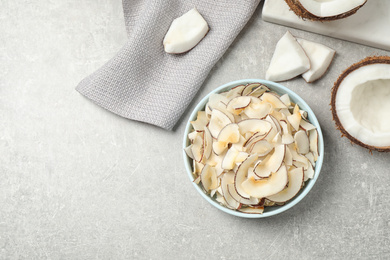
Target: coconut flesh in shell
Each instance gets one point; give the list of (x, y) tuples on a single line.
[(361, 103), (325, 10)]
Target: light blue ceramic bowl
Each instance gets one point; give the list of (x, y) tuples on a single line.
[(269, 211)]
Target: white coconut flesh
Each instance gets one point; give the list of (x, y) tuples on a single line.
[(185, 32), (288, 61), (320, 58), (241, 160), (363, 104), (328, 8)]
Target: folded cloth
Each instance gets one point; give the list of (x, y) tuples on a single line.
[(143, 82)]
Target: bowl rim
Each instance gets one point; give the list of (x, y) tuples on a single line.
[(280, 89)]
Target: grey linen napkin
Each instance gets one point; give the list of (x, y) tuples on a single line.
[(144, 83)]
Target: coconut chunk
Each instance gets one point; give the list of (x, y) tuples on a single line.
[(309, 172), (261, 148), (295, 118), (217, 101), (228, 178), (295, 182), (287, 137), (313, 139), (241, 175), (233, 193), (228, 161), (288, 61), (285, 99), (254, 126), (197, 147), (320, 58), (306, 125), (273, 100), (249, 88), (271, 163), (288, 159), (208, 143), (268, 186), (310, 157), (258, 110), (218, 121), (302, 142), (235, 92), (188, 151), (201, 121), (238, 104), (252, 210), (208, 177), (185, 32)]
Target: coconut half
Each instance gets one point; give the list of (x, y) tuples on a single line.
[(361, 103), (325, 10)]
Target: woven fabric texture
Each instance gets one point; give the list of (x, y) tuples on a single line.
[(144, 83)]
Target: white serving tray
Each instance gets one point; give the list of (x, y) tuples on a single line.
[(370, 25)]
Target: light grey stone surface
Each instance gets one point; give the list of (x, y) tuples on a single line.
[(78, 182)]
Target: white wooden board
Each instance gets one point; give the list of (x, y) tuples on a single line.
[(369, 26)]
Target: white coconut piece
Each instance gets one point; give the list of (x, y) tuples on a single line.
[(252, 210), (261, 148), (233, 192), (295, 118), (238, 104), (295, 182), (320, 58), (218, 121), (309, 172), (287, 137), (268, 186), (313, 139), (188, 151), (249, 88), (288, 159), (197, 147), (217, 101), (310, 157), (228, 135), (286, 100), (200, 122), (228, 161), (185, 32), (242, 173), (302, 142), (208, 177), (254, 126), (288, 61), (258, 110), (271, 163), (330, 8), (306, 125), (208, 143), (273, 100), (228, 178)]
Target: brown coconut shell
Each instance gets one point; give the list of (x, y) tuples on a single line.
[(300, 11), (339, 126)]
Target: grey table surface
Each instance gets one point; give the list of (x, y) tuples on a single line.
[(78, 182)]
